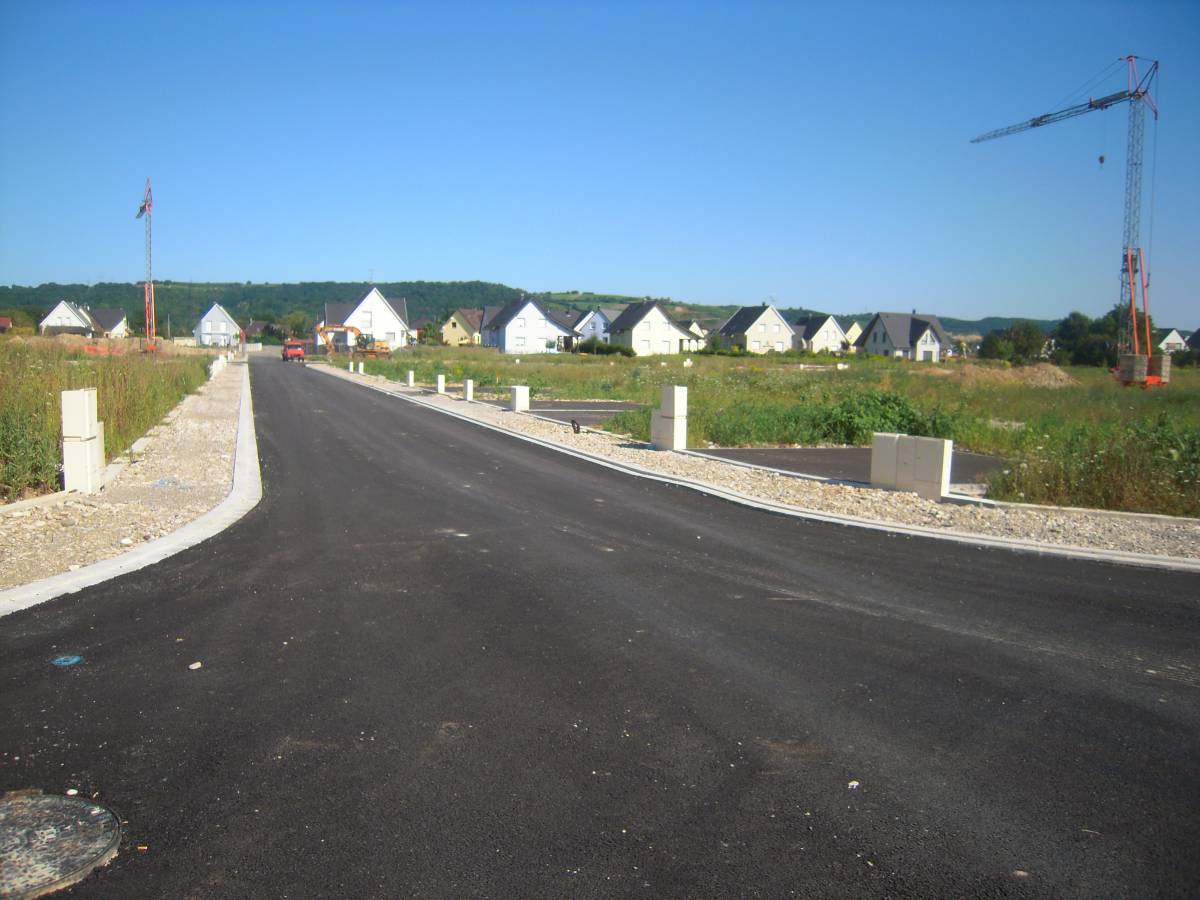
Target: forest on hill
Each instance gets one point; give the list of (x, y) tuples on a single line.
[(179, 304)]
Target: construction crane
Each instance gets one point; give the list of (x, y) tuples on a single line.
[(147, 210), (1136, 367)]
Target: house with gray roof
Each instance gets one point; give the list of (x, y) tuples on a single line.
[(526, 326), (757, 329), (820, 334), (592, 323), (648, 330), (217, 328), (917, 336), (372, 314)]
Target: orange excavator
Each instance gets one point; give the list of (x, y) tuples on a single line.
[(364, 344)]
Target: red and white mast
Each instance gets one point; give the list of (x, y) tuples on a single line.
[(147, 210)]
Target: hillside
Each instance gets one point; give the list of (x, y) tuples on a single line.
[(184, 302)]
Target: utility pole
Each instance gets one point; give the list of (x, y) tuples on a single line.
[(147, 210)]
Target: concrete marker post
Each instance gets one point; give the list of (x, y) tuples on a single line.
[(520, 398), (441, 384), (469, 390), (360, 368), (350, 366), (411, 376)]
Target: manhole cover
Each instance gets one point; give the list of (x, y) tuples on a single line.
[(49, 842)]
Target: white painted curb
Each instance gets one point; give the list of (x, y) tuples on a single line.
[(242, 497), (1175, 563)]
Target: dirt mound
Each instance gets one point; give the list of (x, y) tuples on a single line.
[(1038, 375)]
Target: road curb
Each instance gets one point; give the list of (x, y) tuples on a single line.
[(243, 496), (1174, 563)]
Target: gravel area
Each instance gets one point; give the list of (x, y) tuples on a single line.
[(1157, 535), (183, 469)]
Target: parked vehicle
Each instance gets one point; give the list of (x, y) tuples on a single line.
[(293, 349)]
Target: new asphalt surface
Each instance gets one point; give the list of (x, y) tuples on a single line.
[(437, 660)]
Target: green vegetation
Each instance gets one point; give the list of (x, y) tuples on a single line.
[(133, 393), (1055, 421)]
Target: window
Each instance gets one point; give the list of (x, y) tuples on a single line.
[(390, 337), (775, 328), (208, 326), (519, 340), (541, 322), (779, 345), (224, 327), (762, 328), (666, 346), (520, 321), (645, 346), (755, 345), (366, 320)]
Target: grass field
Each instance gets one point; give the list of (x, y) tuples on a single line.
[(1073, 436), (133, 393)]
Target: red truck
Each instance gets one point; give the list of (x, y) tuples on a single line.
[(293, 349)]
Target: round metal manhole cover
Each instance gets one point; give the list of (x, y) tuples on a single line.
[(48, 842)]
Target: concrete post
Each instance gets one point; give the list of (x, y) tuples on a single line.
[(468, 390), (83, 441), (360, 368), (520, 398), (411, 374), (668, 424), (441, 384), (350, 366)]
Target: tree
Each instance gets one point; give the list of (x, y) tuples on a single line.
[(1027, 339), (298, 323), (996, 346)]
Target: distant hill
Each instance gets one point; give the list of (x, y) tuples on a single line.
[(185, 302)]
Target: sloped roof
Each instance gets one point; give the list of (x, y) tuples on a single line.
[(489, 313), (473, 317), (808, 326), (217, 307), (612, 313), (631, 315), (338, 313), (509, 312), (107, 319), (905, 329), (743, 320), (564, 319), (1194, 340)]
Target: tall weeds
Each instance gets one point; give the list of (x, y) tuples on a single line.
[(133, 393)]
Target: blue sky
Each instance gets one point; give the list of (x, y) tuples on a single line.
[(711, 152)]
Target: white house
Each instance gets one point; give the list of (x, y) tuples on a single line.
[(525, 326), (217, 328), (820, 334), (372, 314), (915, 336), (1172, 342), (853, 332), (757, 329), (74, 318), (592, 323), (647, 330)]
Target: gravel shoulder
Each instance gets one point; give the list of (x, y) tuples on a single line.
[(1087, 529), (183, 469)]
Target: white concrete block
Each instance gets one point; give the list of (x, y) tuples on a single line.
[(906, 463), (674, 401), (441, 384), (80, 472), (668, 433), (931, 474), (468, 390), (360, 368), (411, 376), (79, 414), (883, 459), (520, 398), (350, 366)]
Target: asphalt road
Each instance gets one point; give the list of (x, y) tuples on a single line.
[(442, 661)]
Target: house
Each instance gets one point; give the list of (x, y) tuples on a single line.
[(853, 332), (908, 336), (74, 318), (592, 323), (1172, 342), (1193, 342), (372, 314), (647, 329), (465, 326), (525, 326), (695, 328), (256, 331), (820, 334), (217, 328), (757, 329)]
